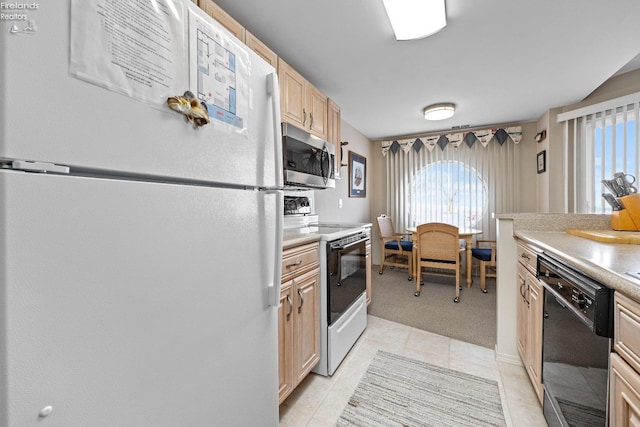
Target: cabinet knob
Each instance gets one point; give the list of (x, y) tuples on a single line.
[(46, 411)]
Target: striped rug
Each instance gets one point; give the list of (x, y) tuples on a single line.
[(397, 391)]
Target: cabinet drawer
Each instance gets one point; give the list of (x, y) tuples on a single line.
[(528, 256), (299, 259), (626, 333)]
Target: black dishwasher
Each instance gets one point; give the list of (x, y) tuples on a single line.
[(577, 330)]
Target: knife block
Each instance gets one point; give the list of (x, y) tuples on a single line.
[(627, 219)]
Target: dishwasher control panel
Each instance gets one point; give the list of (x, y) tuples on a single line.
[(589, 299), (580, 300)]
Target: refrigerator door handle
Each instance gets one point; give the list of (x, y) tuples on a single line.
[(274, 92), (274, 286)]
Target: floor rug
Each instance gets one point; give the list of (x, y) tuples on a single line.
[(402, 392), (578, 415)]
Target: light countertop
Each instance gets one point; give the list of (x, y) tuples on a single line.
[(297, 236), (605, 262)]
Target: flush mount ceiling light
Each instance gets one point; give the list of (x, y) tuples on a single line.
[(414, 19), (439, 111)]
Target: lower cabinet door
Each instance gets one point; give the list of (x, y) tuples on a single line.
[(306, 346), (285, 333), (522, 310), (534, 344), (624, 409)]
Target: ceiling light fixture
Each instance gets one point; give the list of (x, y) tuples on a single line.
[(414, 19), (439, 111)]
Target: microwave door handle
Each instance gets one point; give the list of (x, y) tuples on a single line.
[(325, 152)]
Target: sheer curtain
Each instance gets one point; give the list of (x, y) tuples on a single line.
[(463, 184)]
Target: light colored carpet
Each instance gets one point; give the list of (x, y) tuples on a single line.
[(472, 320), (402, 392)]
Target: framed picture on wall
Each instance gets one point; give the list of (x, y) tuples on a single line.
[(542, 161), (357, 175)]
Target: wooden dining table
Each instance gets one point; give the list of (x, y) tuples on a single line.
[(464, 233)]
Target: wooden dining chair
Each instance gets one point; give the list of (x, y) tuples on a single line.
[(394, 248), (485, 253), (439, 249)]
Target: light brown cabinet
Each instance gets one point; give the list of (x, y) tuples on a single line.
[(262, 50), (298, 317), (285, 334), (522, 314), (235, 28), (301, 104), (529, 311), (214, 11), (624, 386), (333, 133), (624, 374)]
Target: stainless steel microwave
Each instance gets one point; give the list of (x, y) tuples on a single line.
[(308, 160)]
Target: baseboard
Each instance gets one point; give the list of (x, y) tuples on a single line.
[(508, 358)]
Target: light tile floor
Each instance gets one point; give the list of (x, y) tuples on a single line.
[(318, 401)]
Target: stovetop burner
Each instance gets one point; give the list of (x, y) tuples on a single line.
[(295, 205)]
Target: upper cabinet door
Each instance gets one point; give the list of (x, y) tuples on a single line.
[(301, 104), (292, 95), (317, 105), (262, 50), (223, 18)]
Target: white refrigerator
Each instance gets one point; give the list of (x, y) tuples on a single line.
[(139, 256)]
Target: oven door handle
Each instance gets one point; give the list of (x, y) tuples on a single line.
[(337, 247)]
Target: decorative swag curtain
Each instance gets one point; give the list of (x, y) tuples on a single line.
[(460, 179)]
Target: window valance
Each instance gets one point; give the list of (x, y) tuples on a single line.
[(484, 137)]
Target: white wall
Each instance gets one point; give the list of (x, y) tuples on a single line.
[(527, 172), (615, 87), (353, 209), (550, 190)]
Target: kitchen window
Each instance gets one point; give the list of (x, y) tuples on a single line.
[(613, 144), (448, 191), (601, 140)]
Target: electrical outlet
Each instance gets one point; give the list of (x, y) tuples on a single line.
[(339, 203)]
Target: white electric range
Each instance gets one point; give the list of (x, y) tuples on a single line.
[(344, 249), (310, 224)]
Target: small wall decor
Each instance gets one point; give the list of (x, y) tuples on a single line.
[(540, 136), (357, 175), (342, 144), (542, 161)]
